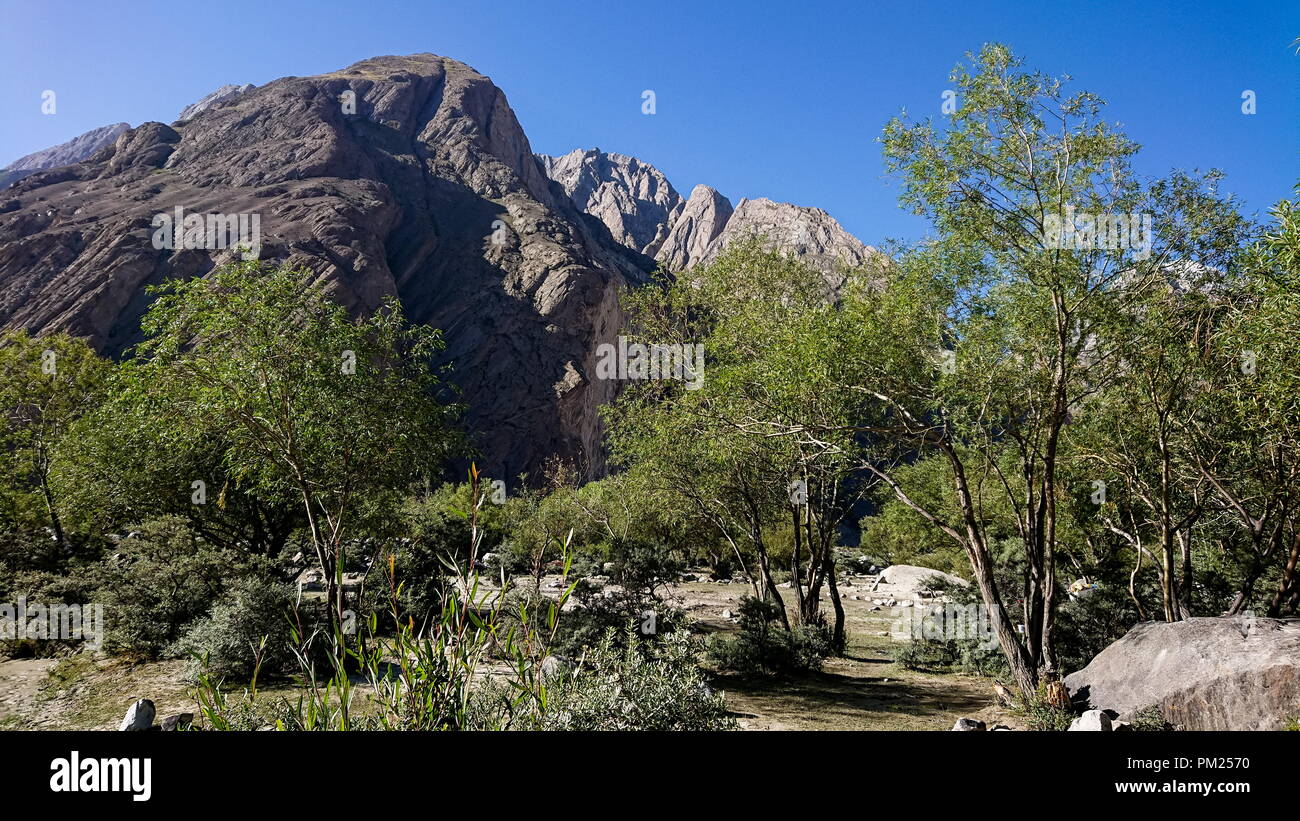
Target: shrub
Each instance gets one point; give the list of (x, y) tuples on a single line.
[(162, 578), (642, 568), (249, 631), (1087, 625), (971, 653), (764, 646), (1041, 714), (1149, 720), (624, 684)]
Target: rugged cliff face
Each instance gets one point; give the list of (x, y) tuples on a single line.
[(644, 213), (634, 200), (407, 176)]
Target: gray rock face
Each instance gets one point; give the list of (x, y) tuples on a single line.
[(643, 213), (694, 230), (1202, 673), (429, 192), (808, 234), (75, 150), (634, 200), (205, 102), (139, 716)]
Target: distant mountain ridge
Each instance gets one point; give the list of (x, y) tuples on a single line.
[(79, 148), (643, 211)]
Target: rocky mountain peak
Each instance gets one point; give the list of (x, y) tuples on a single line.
[(644, 213), (405, 176), (205, 102), (633, 199)]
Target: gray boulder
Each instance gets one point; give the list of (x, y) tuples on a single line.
[(139, 716), (965, 725), (909, 579), (1091, 721), (1202, 673)]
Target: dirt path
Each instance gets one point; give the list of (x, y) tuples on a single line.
[(20, 686), (863, 690)]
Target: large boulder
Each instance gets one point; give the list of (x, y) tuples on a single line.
[(1202, 673), (909, 579)]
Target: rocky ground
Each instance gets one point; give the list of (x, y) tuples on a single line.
[(863, 690)]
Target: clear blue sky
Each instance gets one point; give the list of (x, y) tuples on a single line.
[(760, 98)]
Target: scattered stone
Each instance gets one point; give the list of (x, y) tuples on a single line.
[(555, 668)]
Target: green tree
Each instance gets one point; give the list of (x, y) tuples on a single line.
[(342, 413), (46, 384)]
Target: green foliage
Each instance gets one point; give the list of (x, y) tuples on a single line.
[(46, 384), (161, 579), (1042, 715), (764, 646), (1089, 624), (629, 685), (342, 414), (1149, 720), (249, 630)]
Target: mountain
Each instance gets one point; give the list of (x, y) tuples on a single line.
[(73, 151), (428, 191), (634, 200), (397, 176), (644, 212), (202, 104), (693, 230)]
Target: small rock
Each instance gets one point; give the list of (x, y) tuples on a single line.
[(180, 721), (139, 716), (555, 667), (1092, 721)]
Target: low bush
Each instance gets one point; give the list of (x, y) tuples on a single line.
[(763, 645), (249, 631)]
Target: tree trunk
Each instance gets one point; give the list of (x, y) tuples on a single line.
[(1287, 585)]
